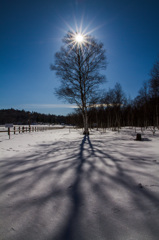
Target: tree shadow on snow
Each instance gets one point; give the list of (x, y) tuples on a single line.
[(77, 191)]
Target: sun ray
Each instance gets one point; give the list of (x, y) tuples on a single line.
[(96, 28), (76, 25)]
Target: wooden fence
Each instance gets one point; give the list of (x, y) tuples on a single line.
[(22, 129)]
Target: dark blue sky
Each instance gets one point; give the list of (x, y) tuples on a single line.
[(31, 33)]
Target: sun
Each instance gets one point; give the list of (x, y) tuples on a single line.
[(79, 35), (79, 38)]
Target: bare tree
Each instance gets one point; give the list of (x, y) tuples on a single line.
[(78, 65), (115, 100)]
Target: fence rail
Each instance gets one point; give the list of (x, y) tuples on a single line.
[(22, 129)]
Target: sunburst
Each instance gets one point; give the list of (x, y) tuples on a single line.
[(79, 37)]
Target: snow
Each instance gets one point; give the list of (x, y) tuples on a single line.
[(59, 185)]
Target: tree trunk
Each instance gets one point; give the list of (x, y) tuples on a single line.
[(85, 123)]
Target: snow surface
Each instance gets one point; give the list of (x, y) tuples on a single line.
[(60, 185)]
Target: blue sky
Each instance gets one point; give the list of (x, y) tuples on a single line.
[(31, 32)]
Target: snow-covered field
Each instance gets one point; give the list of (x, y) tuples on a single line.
[(60, 185)]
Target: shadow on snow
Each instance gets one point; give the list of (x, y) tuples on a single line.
[(77, 191)]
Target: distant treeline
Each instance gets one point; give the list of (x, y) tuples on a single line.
[(26, 117), (113, 109)]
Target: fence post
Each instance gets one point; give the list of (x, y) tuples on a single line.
[(14, 130), (138, 136), (9, 132), (19, 129)]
